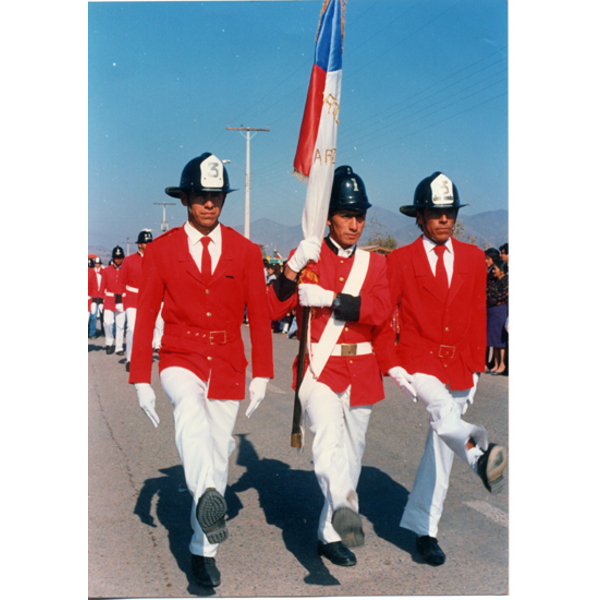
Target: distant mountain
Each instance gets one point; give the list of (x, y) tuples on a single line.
[(485, 229)]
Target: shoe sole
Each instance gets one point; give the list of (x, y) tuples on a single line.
[(495, 468), (210, 512), (348, 525)]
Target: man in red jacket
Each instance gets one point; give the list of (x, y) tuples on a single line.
[(206, 274), (347, 291), (132, 276), (438, 284), (113, 290)]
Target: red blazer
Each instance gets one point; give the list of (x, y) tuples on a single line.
[(132, 277), (203, 320), (446, 339), (111, 284), (91, 286), (362, 372)]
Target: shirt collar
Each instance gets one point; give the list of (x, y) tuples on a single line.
[(429, 245), (194, 235), (333, 245)]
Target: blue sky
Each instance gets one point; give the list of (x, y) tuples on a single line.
[(424, 88)]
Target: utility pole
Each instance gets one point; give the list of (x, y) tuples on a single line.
[(164, 225), (247, 205)]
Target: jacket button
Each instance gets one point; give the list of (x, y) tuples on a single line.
[(341, 279), (208, 314), (207, 291), (209, 358)]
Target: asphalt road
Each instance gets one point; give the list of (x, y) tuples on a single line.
[(139, 508)]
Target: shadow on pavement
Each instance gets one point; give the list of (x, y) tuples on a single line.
[(291, 501)]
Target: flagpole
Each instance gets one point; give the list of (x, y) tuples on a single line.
[(315, 155)]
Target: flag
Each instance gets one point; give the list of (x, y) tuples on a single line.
[(317, 143)]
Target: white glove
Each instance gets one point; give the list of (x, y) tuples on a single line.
[(257, 390), (471, 397), (310, 294), (308, 249), (147, 400), (119, 307), (93, 308), (404, 381)]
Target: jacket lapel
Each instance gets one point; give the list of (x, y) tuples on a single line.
[(425, 276), (185, 258), (228, 254), (459, 271)]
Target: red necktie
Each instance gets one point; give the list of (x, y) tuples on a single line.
[(206, 262), (441, 276)]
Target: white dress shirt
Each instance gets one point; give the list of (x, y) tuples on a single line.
[(432, 256), (196, 248)]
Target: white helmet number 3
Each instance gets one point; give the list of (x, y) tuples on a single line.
[(441, 191), (211, 172)]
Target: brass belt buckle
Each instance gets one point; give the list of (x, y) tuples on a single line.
[(214, 343), (348, 349), (446, 353)]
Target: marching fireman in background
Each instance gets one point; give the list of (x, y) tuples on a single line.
[(347, 291), (132, 276), (113, 290), (207, 274)]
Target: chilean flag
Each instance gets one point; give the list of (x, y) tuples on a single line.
[(315, 155)]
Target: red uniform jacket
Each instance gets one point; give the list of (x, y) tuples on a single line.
[(446, 339), (203, 320), (111, 285), (91, 286), (132, 277), (96, 282), (361, 372)]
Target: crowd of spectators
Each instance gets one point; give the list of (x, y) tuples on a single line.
[(497, 310)]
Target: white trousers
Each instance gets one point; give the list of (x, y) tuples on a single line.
[(338, 446), (118, 320), (204, 440), (157, 336), (448, 435)]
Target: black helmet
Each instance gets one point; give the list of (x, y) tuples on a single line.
[(204, 173), (144, 237), (91, 263), (118, 252), (348, 191), (435, 191)]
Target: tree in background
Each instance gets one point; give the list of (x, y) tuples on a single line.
[(460, 234), (379, 235)]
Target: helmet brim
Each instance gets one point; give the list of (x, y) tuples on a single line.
[(174, 192), (410, 210)]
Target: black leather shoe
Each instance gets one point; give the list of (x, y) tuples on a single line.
[(127, 366), (110, 349), (121, 353), (349, 527), (430, 550), (210, 513), (205, 571), (337, 553), (490, 467)]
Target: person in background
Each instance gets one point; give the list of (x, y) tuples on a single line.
[(132, 276), (97, 305), (497, 315), (113, 290), (504, 252)]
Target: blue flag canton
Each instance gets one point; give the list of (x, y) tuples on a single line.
[(328, 50)]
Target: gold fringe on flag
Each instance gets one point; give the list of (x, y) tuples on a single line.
[(323, 8)]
